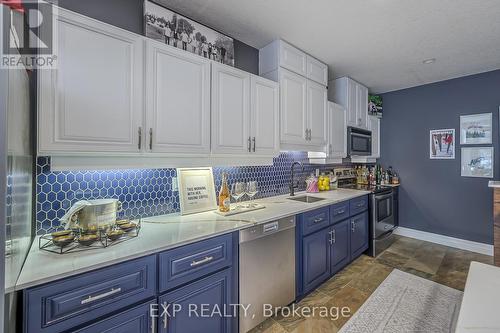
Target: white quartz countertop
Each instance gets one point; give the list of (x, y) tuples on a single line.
[(479, 310), (494, 183), (165, 232)]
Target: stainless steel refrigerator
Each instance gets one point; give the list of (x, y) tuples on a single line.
[(16, 176)]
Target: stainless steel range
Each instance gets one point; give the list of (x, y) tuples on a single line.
[(382, 208)]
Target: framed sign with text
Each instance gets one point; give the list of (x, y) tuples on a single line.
[(196, 190)]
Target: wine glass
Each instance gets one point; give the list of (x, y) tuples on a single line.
[(252, 190), (237, 191)]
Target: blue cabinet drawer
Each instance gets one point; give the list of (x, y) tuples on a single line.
[(339, 212), (135, 320), (62, 305), (193, 261), (315, 220), (358, 205)]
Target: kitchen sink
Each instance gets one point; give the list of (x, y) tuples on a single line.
[(306, 199)]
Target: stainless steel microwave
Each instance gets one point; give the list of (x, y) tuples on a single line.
[(359, 142)]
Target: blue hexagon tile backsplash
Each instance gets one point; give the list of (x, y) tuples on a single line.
[(146, 192)]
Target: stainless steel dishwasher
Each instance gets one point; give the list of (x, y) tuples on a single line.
[(267, 269)]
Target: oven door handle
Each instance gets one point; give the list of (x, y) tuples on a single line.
[(383, 197), (386, 235)]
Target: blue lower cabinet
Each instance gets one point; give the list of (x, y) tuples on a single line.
[(315, 259), (326, 247), (314, 220), (358, 205), (359, 234), (135, 320), (340, 250), (62, 305), (193, 261), (202, 306)]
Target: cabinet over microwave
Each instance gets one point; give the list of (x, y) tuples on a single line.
[(359, 142)]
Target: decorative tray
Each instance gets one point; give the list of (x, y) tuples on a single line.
[(77, 240), (240, 209)]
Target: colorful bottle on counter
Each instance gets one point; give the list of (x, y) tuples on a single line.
[(224, 195), (321, 185), (326, 182)]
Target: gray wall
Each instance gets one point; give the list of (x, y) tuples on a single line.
[(128, 14), (433, 196)]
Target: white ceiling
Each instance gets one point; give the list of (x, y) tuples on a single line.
[(380, 43)]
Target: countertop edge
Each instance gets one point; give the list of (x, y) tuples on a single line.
[(29, 283)]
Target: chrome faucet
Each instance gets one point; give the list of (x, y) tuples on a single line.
[(292, 186)]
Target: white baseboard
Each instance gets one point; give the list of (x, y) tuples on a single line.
[(447, 241)]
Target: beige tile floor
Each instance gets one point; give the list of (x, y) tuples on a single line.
[(355, 283)]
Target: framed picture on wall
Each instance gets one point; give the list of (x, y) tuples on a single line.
[(476, 129), (196, 190), (181, 32), (442, 144), (477, 162)]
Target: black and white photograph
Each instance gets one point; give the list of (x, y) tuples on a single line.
[(476, 129), (178, 31)]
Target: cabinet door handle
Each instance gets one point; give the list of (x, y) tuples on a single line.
[(249, 144), (330, 240), (202, 261), (254, 140), (333, 236), (91, 299), (361, 204), (353, 226), (342, 211), (150, 139), (139, 143)]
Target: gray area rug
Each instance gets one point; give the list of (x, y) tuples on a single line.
[(407, 303)]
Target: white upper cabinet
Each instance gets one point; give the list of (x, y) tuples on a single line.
[(303, 95), (354, 98), (264, 114), (292, 58), (293, 109), (337, 131), (317, 71), (230, 110), (281, 54), (178, 101), (374, 126), (316, 113), (93, 101), (245, 118), (362, 106)]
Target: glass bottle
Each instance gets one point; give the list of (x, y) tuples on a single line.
[(224, 195)]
